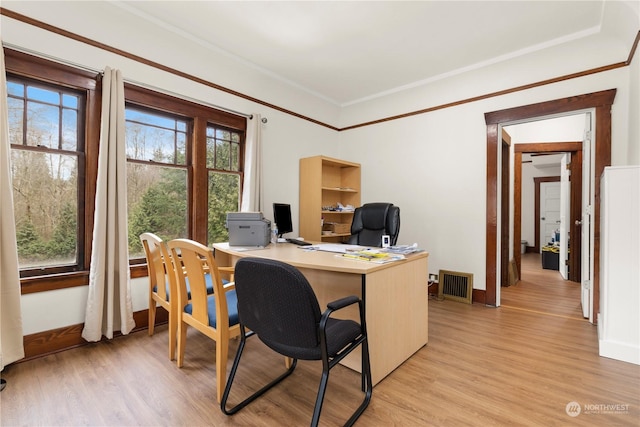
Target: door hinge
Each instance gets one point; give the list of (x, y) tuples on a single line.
[(586, 284), (568, 166), (587, 136), (588, 210)]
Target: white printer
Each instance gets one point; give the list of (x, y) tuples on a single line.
[(248, 229)]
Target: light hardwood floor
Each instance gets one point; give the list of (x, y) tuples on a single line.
[(518, 365)]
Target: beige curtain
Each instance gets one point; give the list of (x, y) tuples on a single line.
[(11, 344), (109, 305), (252, 193)]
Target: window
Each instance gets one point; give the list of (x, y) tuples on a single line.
[(184, 165), (184, 168), (224, 174), (50, 107), (157, 185), (46, 158)]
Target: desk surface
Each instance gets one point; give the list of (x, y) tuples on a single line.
[(301, 257)]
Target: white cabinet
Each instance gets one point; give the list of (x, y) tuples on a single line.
[(619, 317)]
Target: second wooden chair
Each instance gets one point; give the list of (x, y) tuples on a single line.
[(216, 315)]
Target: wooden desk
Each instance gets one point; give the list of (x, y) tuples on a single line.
[(395, 296)]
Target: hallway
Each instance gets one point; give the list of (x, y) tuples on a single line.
[(543, 291)]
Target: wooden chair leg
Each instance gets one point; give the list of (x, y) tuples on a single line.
[(152, 315), (172, 333), (182, 341), (222, 352)]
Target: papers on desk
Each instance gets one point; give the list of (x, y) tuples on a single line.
[(402, 249), (335, 247), (372, 255)]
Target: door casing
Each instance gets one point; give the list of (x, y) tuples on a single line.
[(601, 103)]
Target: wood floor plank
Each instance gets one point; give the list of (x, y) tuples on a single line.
[(520, 364)]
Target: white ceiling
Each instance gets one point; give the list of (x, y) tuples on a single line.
[(349, 51)]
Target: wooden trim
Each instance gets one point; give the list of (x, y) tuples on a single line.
[(504, 211), (479, 296), (73, 36), (602, 102), (492, 213), (60, 339)]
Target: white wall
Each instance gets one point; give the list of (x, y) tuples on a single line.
[(434, 167), (431, 165)]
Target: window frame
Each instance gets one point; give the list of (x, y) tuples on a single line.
[(29, 68), (26, 66), (199, 116)]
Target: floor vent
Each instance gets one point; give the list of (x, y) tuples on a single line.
[(455, 286)]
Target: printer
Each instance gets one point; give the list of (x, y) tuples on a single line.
[(248, 229)]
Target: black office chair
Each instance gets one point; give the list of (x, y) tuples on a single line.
[(373, 220), (276, 303)]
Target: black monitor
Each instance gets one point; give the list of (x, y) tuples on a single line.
[(282, 218)]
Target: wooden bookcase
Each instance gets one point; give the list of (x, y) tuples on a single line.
[(325, 182)]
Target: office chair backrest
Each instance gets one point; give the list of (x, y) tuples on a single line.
[(373, 220), (277, 303)]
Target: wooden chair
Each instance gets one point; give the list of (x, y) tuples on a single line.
[(162, 284), (216, 315)]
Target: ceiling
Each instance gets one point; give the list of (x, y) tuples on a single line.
[(349, 51)]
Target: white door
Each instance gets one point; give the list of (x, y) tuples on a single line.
[(549, 211), (565, 203), (587, 232)]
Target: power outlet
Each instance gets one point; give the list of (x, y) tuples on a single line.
[(433, 278)]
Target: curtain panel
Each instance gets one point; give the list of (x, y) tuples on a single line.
[(109, 306), (252, 188), (11, 342)]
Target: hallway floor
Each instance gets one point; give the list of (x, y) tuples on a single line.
[(543, 291)]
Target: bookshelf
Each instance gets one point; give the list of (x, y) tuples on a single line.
[(325, 182)]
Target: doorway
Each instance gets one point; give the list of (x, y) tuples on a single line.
[(573, 220), (601, 103)]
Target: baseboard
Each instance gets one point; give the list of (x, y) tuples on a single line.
[(56, 340), (617, 350)]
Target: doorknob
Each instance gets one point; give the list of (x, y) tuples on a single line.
[(578, 222)]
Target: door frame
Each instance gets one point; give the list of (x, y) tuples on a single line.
[(601, 103), (575, 148)]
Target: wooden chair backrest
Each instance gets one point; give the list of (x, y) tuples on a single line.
[(193, 260), (159, 265)]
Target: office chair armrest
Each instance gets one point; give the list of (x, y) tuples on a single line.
[(343, 302)]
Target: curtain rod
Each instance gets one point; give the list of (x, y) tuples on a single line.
[(133, 82)]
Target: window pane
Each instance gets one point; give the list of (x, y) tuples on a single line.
[(45, 196), (154, 137), (69, 129), (43, 95), (157, 203), (15, 89), (224, 196), (222, 155), (42, 125), (15, 121), (223, 149)]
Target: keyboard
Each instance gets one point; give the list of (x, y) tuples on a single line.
[(298, 242)]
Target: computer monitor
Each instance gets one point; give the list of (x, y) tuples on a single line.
[(282, 218)]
